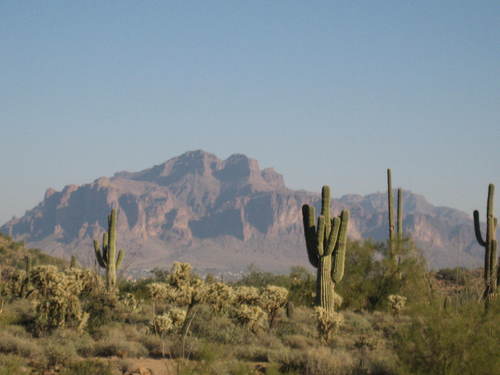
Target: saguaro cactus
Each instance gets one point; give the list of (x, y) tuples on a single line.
[(106, 255), (390, 204), (326, 246), (491, 273)]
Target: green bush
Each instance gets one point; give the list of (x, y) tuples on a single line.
[(108, 347), (461, 341), (88, 367), (12, 364), (318, 361), (21, 346)]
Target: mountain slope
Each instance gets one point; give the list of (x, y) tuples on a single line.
[(222, 215)]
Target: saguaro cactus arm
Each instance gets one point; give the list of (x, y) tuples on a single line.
[(308, 216), (477, 229), (400, 214), (119, 259), (340, 249), (98, 255)]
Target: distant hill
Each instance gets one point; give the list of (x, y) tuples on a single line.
[(13, 253), (223, 215)]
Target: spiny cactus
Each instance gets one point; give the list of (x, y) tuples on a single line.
[(390, 204), (328, 322), (56, 297), (273, 299), (106, 254), (326, 246), (252, 317), (491, 273), (397, 303), (219, 296)]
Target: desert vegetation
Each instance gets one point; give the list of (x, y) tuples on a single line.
[(371, 308)]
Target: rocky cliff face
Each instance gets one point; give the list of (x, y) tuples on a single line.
[(222, 215)]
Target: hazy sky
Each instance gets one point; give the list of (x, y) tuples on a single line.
[(323, 91)]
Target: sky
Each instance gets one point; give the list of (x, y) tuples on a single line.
[(326, 92)]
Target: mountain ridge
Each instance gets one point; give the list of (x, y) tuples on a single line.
[(199, 208)]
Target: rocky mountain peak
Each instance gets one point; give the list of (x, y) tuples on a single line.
[(222, 213)]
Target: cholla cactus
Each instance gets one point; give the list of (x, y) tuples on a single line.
[(180, 275), (272, 299), (248, 295), (161, 325), (56, 294), (168, 322), (251, 317), (13, 282), (48, 281), (191, 293), (157, 291), (129, 301), (397, 303), (328, 322), (178, 316), (219, 296)]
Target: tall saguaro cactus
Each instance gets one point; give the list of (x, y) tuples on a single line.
[(491, 274), (326, 247), (106, 254), (390, 204)]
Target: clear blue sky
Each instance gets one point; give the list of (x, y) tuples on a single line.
[(323, 91)]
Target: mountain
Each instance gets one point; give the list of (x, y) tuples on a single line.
[(222, 215)]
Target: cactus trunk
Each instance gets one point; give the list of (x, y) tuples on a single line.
[(326, 243), (395, 230), (106, 255), (325, 284), (491, 272)]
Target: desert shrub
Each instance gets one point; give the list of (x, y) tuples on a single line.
[(356, 322), (253, 353), (19, 312), (19, 345), (113, 346), (154, 345), (59, 353), (231, 367), (184, 348), (88, 367), (317, 361), (219, 329), (299, 341), (103, 308), (371, 276), (383, 322), (457, 275), (12, 364), (377, 362), (208, 352), (462, 341), (81, 341)]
